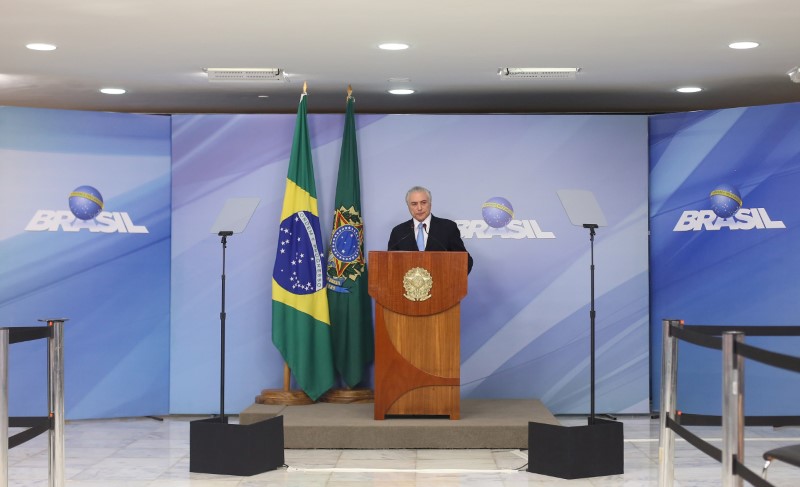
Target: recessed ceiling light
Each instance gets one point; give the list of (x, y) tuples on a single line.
[(112, 91), (403, 91), (794, 74), (689, 89), (263, 96), (393, 46), (38, 46), (743, 45)]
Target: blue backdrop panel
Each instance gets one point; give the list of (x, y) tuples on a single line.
[(109, 274), (525, 322), (739, 271)]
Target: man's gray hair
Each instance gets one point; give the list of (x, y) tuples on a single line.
[(418, 189)]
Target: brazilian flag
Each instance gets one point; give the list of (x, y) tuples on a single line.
[(350, 304), (301, 327)]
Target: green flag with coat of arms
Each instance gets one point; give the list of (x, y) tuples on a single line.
[(348, 299)]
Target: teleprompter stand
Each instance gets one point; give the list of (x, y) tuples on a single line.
[(215, 446), (579, 451)]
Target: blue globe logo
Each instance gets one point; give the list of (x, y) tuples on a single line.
[(85, 202), (725, 200), (497, 212)]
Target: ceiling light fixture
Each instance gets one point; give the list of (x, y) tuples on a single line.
[(403, 91), (794, 74), (689, 89), (393, 46), (244, 74), (538, 73), (113, 91), (38, 46), (743, 45)]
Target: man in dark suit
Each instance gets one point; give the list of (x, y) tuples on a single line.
[(425, 231)]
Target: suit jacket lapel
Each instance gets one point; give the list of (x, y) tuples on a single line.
[(430, 230)]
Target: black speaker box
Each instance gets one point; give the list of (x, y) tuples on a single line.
[(576, 452), (234, 449)]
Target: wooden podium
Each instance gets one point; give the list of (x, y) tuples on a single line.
[(417, 331)]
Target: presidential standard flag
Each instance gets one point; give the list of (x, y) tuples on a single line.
[(350, 304), (300, 321)]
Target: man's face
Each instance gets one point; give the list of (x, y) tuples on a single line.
[(419, 205)]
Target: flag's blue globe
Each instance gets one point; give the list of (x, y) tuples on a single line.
[(85, 202), (725, 200), (299, 268), (497, 212), (345, 243)]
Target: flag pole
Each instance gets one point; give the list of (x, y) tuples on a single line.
[(287, 373), (286, 396), (348, 212)]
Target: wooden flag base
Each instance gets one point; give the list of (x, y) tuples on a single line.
[(285, 396), (348, 396), (281, 397)]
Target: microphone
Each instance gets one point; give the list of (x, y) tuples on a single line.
[(435, 240)]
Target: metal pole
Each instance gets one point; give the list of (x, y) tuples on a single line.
[(592, 315), (57, 473), (592, 324), (669, 386), (732, 408), (222, 317), (4, 340)]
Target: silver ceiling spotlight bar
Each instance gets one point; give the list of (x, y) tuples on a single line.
[(538, 73), (245, 74)]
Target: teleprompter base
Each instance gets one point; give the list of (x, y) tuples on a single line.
[(576, 452), (234, 449)]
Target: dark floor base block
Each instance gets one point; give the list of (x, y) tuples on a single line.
[(576, 452), (233, 449)]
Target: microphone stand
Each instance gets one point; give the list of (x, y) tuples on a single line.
[(222, 419)]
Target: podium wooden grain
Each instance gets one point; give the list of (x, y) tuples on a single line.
[(417, 343)]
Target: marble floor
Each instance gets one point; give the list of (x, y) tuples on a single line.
[(145, 452)]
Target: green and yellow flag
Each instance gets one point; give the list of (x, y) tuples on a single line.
[(350, 304), (300, 321)]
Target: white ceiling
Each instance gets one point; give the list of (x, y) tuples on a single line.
[(632, 54)]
